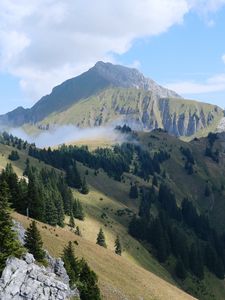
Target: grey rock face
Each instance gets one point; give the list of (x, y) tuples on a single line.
[(56, 265), (121, 76), (221, 126), (23, 279)]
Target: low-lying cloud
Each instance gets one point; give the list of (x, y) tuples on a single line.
[(69, 134)]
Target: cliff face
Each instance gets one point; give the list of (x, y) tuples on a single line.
[(142, 110), (186, 119)]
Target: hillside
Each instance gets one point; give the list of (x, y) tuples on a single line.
[(107, 197), (110, 94), (115, 282)]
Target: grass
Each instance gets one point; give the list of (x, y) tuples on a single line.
[(116, 104), (107, 196), (119, 278)]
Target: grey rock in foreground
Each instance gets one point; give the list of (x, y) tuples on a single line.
[(24, 279)]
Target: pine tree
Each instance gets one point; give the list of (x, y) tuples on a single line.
[(133, 192), (51, 216), (101, 239), (118, 247), (35, 197), (13, 156), (78, 211), (27, 167), (9, 245), (71, 221), (73, 177), (180, 270), (89, 283), (196, 263), (77, 231), (155, 181), (84, 187), (33, 242), (71, 263)]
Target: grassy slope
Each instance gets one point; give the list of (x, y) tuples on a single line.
[(108, 196), (116, 103), (120, 277)]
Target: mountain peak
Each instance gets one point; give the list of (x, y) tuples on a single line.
[(101, 76), (122, 76)]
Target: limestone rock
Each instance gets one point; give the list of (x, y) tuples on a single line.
[(24, 279)]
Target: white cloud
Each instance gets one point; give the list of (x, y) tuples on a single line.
[(212, 84), (43, 42)]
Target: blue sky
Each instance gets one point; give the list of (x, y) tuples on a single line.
[(178, 43)]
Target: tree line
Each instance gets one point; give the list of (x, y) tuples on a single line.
[(44, 196), (180, 232)]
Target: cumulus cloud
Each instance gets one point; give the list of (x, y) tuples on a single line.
[(212, 84), (44, 42)]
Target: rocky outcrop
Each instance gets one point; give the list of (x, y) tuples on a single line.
[(221, 125), (24, 279)]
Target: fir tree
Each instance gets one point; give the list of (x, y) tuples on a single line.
[(33, 242), (155, 181), (71, 263), (13, 156), (133, 192), (89, 283), (78, 211), (180, 270), (73, 177), (101, 239), (84, 187), (27, 167), (71, 221), (77, 231), (9, 245), (118, 247)]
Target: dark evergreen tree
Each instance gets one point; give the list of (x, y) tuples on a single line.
[(101, 239), (159, 240), (71, 221), (118, 247), (84, 187), (78, 211), (180, 271), (14, 156), (196, 262), (27, 167), (71, 263), (77, 231), (89, 283), (155, 181), (33, 242), (133, 192), (73, 176), (51, 215), (35, 202), (9, 245), (207, 191)]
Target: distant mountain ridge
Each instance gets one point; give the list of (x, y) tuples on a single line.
[(112, 93)]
